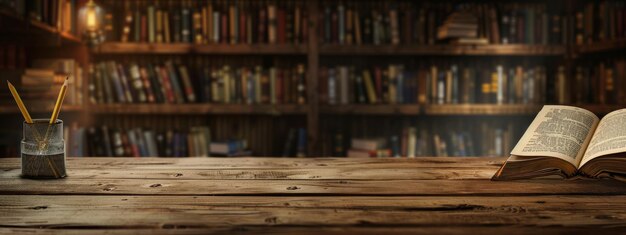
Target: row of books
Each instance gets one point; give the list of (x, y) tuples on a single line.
[(40, 84), (346, 85), (483, 140), (295, 143), (602, 82), (177, 83), (145, 142), (204, 22), (499, 85), (395, 84), (12, 56), (600, 21), (60, 14), (407, 22)]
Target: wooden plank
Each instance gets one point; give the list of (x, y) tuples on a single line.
[(606, 46), (482, 109), (267, 162), (70, 186), (312, 91), (342, 173), (205, 212), (327, 230)]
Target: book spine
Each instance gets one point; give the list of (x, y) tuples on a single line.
[(271, 22), (188, 86)]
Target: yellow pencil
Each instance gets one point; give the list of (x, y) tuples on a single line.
[(20, 104), (57, 105)]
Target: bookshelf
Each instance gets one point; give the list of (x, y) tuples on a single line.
[(315, 53)]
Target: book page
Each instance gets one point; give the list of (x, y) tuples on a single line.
[(609, 137), (558, 131)]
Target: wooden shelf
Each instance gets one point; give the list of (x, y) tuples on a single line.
[(192, 109), (188, 48), (476, 50), (607, 46), (12, 109), (481, 109), (380, 109)]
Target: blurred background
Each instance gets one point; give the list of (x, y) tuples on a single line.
[(294, 78)]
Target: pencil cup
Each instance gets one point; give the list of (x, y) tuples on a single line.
[(43, 149)]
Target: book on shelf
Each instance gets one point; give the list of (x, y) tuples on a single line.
[(478, 84), (397, 22), (481, 138), (230, 148), (600, 21), (569, 141), (171, 82), (295, 143), (12, 56), (400, 84), (459, 25), (348, 85), (141, 142), (59, 14), (208, 22), (599, 82), (369, 147)]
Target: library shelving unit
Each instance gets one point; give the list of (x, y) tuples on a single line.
[(313, 51)]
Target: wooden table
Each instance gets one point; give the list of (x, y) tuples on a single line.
[(302, 196)]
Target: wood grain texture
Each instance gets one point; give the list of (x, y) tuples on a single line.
[(302, 196), (205, 211)]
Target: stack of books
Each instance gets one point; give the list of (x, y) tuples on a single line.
[(461, 27), (171, 82), (41, 83), (63, 68), (369, 148), (230, 148), (205, 22)]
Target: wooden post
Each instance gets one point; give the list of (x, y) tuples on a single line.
[(312, 80)]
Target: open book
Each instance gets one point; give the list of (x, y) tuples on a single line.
[(569, 141)]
